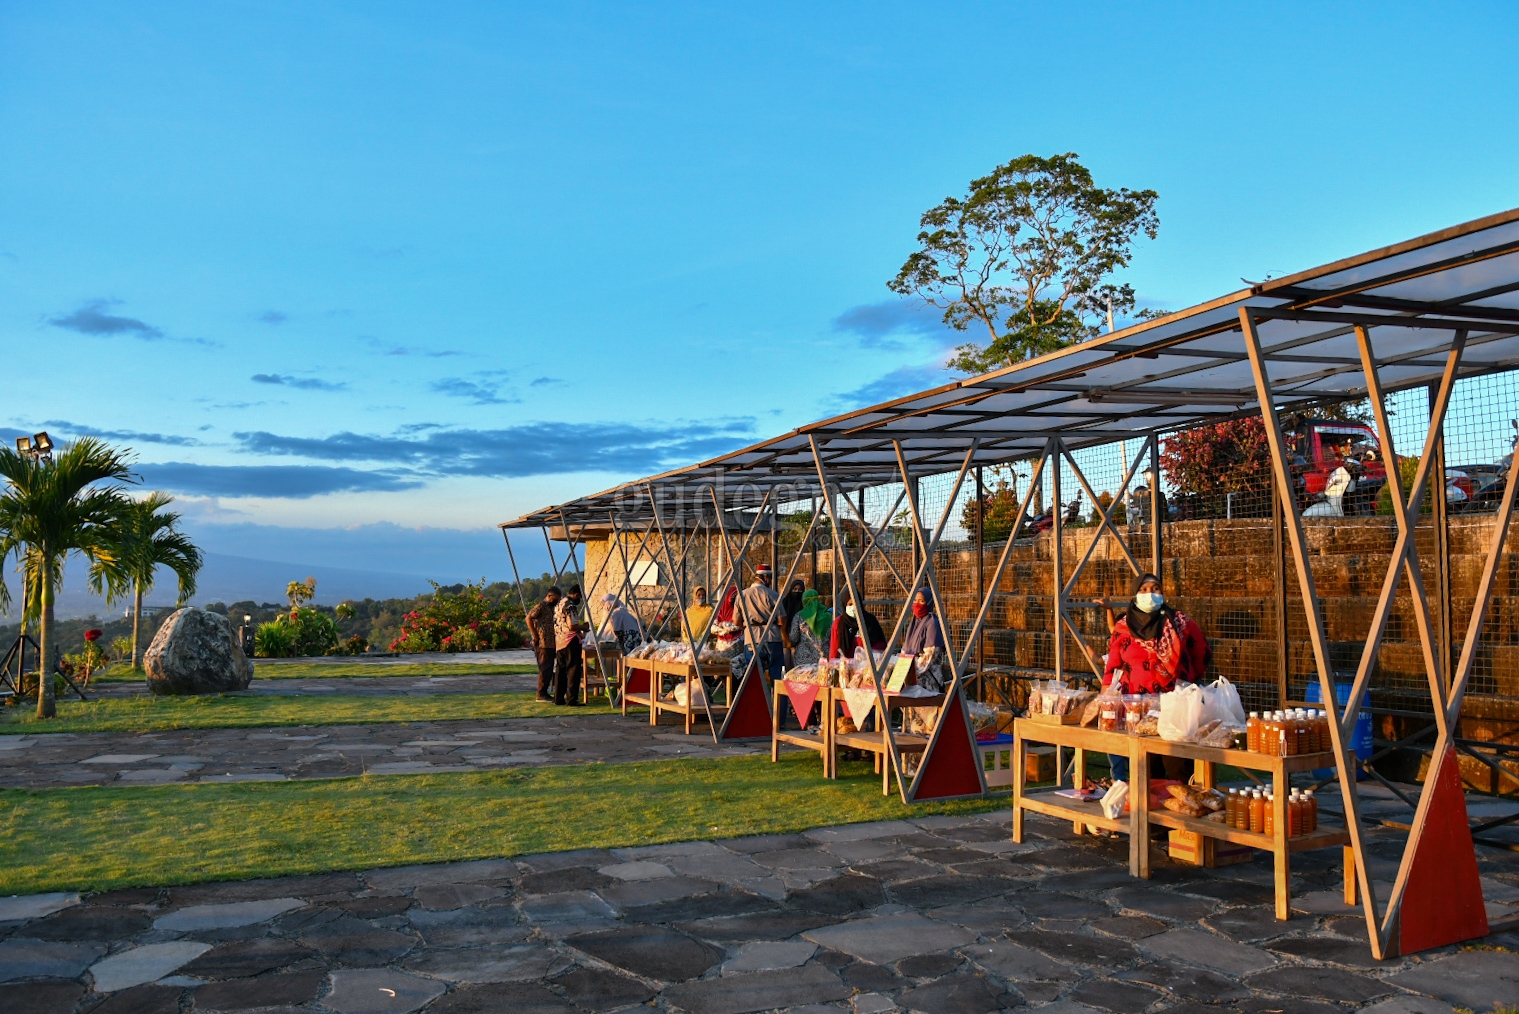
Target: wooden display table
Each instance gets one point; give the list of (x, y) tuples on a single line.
[(821, 741), (879, 741), (645, 687), (1136, 823), (591, 671)]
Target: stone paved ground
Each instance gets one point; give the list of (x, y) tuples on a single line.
[(940, 915), (332, 751)]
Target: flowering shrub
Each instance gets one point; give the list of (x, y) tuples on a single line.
[(466, 620), (300, 632)]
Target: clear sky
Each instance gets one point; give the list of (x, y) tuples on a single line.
[(358, 280)]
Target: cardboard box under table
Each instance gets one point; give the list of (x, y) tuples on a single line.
[(1136, 822)]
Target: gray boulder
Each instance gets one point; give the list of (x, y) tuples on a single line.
[(196, 652)]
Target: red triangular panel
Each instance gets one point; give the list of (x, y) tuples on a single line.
[(638, 680), (749, 718), (949, 769), (802, 697), (1442, 901)]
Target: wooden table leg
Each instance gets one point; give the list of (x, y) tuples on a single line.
[(1352, 894), (775, 726), (830, 761), (1139, 808), (1078, 779), (1279, 781), (885, 758), (690, 707), (1020, 776)]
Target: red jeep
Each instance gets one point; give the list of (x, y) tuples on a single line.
[(1320, 446)]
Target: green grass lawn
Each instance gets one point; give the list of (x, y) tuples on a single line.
[(241, 711), (99, 838), (267, 670)]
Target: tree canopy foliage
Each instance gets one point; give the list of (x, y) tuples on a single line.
[(1026, 256)]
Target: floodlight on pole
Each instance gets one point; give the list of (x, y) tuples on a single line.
[(24, 446), (43, 443)]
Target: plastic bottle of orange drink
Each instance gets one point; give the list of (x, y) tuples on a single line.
[(1311, 811), (1270, 814), (1294, 815), (1253, 732), (1257, 811)]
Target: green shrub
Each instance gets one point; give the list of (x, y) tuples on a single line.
[(466, 620)]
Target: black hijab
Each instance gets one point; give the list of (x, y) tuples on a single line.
[(1143, 625), (791, 602)]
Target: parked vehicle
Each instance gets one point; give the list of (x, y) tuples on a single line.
[(1337, 467)]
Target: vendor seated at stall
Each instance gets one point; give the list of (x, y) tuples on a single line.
[(925, 641), (846, 635), (1153, 647), (698, 615), (625, 626)]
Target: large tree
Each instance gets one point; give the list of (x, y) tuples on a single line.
[(146, 538), (52, 507), (1025, 257)]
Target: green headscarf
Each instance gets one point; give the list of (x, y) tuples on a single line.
[(814, 613)]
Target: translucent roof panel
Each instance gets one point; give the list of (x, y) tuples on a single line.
[(1185, 368)]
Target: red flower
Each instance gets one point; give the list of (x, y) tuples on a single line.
[(92, 634)]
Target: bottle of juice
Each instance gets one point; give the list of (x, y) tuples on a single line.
[(1257, 811), (1289, 734), (1268, 733), (1253, 732), (1294, 815), (1229, 808), (1322, 721), (1311, 810), (1300, 717), (1269, 816)]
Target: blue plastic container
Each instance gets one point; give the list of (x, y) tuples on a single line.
[(1360, 738)]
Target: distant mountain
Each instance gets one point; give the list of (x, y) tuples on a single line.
[(238, 578)]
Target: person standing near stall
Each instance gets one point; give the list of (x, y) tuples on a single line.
[(760, 608), (569, 624), (698, 615), (809, 629), (625, 626), (1153, 647), (791, 604), (846, 636), (540, 626)]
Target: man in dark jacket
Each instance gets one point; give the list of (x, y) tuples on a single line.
[(540, 626)]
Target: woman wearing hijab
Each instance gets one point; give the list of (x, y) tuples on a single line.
[(1153, 647), (808, 628), (925, 641), (791, 604), (846, 635), (625, 626), (698, 615)]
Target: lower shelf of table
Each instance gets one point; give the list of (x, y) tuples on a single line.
[(1324, 837), (873, 741), (1070, 809), (808, 740)]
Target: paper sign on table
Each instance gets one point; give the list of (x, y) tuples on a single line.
[(898, 678)]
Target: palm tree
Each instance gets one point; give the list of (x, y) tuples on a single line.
[(50, 508), (146, 538)]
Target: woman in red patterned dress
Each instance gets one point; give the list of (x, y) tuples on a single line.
[(1153, 647)]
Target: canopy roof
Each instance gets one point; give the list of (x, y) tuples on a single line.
[(1182, 369)]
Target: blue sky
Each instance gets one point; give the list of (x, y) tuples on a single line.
[(340, 272)]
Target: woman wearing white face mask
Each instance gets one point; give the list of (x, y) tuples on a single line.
[(846, 635), (1154, 645)]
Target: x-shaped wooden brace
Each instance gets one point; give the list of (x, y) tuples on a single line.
[(1105, 524)]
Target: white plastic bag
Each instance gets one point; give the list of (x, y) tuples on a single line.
[(1181, 714), (1221, 702), (698, 698), (1114, 799)]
